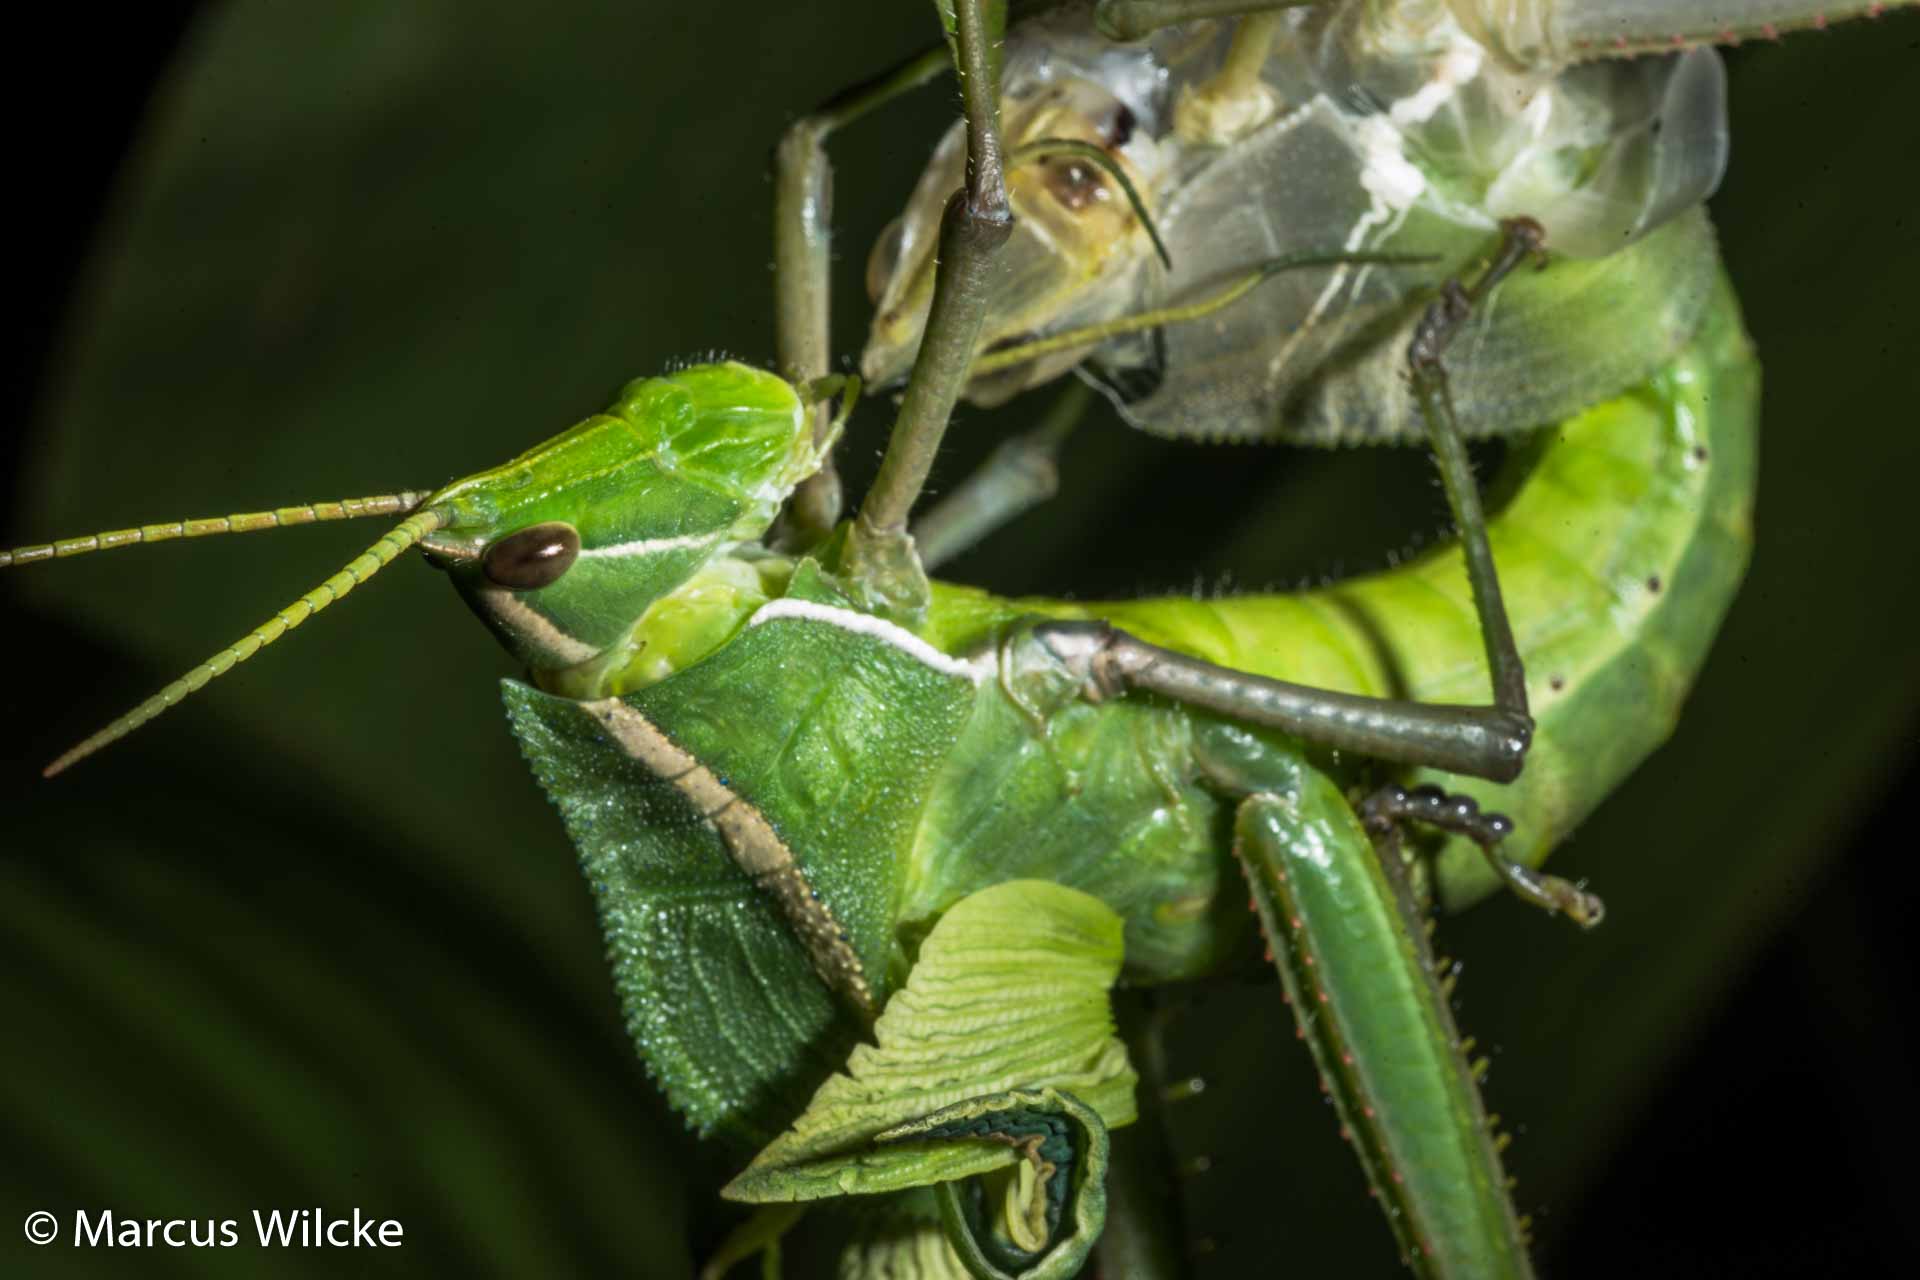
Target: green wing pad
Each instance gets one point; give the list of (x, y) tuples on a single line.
[(1009, 993), (1101, 798)]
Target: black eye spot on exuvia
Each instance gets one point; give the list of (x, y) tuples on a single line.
[(534, 557), (1074, 183)]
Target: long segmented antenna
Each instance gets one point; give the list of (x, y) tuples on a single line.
[(1006, 357), (385, 504), (363, 566)]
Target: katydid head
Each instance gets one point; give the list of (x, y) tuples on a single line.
[(562, 550), (1080, 130)]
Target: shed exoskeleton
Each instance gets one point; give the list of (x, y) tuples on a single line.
[(1417, 126)]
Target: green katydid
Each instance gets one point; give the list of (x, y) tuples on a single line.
[(781, 798)]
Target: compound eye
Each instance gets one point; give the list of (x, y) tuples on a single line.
[(534, 557)]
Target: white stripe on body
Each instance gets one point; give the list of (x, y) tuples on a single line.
[(651, 546), (880, 629)]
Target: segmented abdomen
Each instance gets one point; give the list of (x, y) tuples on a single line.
[(1619, 552)]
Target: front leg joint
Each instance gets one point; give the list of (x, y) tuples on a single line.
[(1089, 655)]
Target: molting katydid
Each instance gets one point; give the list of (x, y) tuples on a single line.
[(428, 812)]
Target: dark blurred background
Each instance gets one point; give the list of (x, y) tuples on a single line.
[(315, 939)]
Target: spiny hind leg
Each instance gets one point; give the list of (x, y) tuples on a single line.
[(1389, 806), (1352, 953)]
